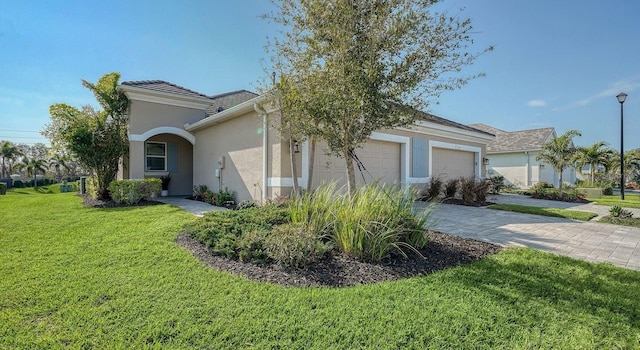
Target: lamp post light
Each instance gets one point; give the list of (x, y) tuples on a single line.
[(621, 98)]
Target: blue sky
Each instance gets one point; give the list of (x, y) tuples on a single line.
[(555, 63)]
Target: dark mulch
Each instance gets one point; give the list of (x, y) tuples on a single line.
[(458, 201), (443, 251), (91, 202)]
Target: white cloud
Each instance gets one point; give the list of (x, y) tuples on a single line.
[(537, 103), (610, 92)]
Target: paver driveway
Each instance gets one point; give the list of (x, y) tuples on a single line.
[(590, 241)]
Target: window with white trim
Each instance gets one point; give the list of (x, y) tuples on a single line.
[(155, 156)]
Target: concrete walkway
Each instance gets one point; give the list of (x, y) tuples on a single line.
[(195, 207), (590, 241)]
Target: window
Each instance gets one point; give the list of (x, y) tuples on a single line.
[(156, 156)]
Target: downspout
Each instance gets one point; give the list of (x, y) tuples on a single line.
[(527, 171), (265, 150)]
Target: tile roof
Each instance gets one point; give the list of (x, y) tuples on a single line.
[(163, 86), (520, 140), (227, 100), (446, 122)]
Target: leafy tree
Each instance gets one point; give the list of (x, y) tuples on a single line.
[(32, 166), (597, 154), (631, 164), (9, 152), (98, 139), (350, 67), (559, 153)]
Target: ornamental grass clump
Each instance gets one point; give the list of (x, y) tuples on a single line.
[(369, 224)]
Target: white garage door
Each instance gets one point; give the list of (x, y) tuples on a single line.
[(381, 160), (452, 164)]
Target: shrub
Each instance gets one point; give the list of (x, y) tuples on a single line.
[(481, 188), (3, 188), (199, 191), (295, 245), (18, 184), (608, 190), (496, 184), (451, 188), (432, 190), (246, 204), (209, 197), (618, 212), (223, 197), (133, 191), (236, 234), (468, 189)]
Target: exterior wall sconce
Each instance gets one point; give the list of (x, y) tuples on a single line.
[(296, 146), (541, 166), (485, 161)]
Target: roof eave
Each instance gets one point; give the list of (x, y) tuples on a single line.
[(225, 115), (148, 95)]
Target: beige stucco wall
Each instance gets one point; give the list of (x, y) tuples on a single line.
[(145, 116), (522, 170), (239, 141)]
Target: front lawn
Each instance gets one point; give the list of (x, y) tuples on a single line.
[(631, 200), (115, 278), (554, 212), (633, 222)]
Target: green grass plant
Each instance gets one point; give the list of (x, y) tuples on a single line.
[(554, 212), (631, 200), (632, 222), (79, 278)]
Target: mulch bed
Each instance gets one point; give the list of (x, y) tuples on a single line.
[(458, 201), (443, 251)]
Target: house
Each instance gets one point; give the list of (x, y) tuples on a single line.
[(229, 141), (513, 155)]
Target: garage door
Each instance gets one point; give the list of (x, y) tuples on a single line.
[(452, 164), (381, 160)]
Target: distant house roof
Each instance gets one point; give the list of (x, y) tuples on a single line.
[(218, 102), (512, 141), (442, 121)]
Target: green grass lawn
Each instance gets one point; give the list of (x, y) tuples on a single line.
[(73, 277), (555, 212), (631, 200), (633, 222)]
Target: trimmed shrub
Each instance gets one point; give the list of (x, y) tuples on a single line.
[(209, 197), (3, 188), (133, 191), (295, 245), (18, 184), (451, 188), (223, 197), (199, 191), (496, 184), (246, 204)]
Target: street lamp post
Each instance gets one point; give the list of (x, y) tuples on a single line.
[(621, 98)]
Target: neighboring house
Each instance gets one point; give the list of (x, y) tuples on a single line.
[(513, 155), (228, 141)]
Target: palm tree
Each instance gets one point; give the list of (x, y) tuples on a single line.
[(559, 153), (597, 154), (8, 151), (32, 166), (58, 162), (631, 163)]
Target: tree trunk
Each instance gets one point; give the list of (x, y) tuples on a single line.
[(3, 168), (593, 174), (560, 184), (312, 159), (351, 176), (294, 168)]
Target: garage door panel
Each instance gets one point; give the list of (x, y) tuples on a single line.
[(380, 159), (452, 164)]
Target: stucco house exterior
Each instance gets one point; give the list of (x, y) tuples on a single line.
[(513, 155), (229, 141)]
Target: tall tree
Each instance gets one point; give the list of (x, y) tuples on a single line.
[(597, 154), (32, 166), (98, 139), (351, 67), (9, 153), (559, 153)]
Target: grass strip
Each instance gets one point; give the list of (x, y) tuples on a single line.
[(554, 212), (631, 200)]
